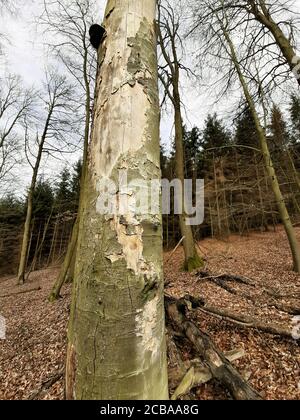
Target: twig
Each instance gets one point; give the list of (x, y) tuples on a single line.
[(47, 384), (175, 249)]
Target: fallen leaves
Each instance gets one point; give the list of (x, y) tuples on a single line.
[(35, 349)]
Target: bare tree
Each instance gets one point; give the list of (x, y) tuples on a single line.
[(16, 103), (278, 25), (56, 135), (169, 74), (282, 30), (67, 24)]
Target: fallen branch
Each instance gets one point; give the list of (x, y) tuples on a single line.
[(239, 319), (47, 384), (277, 295), (220, 368), (223, 279), (226, 277), (22, 292), (175, 249), (286, 307)]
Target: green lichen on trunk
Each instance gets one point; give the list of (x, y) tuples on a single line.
[(193, 263)]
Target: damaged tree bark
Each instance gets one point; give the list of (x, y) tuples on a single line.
[(220, 368), (116, 347)]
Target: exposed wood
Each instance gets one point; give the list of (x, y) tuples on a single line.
[(199, 374), (220, 368)]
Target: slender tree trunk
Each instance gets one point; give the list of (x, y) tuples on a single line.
[(116, 334), (293, 168), (71, 272), (217, 200), (192, 259), (264, 223), (37, 247), (67, 270), (26, 238), (26, 234), (38, 252), (211, 219), (284, 215), (71, 251), (52, 248)]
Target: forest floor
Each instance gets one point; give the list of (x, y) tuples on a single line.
[(33, 355)]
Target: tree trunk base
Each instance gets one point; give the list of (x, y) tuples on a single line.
[(193, 263)]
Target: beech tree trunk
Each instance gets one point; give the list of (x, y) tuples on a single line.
[(167, 42), (192, 259), (116, 347), (28, 220)]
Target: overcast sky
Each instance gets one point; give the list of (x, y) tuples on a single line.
[(27, 57)]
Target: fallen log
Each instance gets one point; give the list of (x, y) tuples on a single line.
[(21, 292), (286, 307), (220, 368), (278, 295), (198, 374), (239, 319)]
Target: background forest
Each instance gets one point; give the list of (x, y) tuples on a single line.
[(222, 150), (237, 197), (79, 102)]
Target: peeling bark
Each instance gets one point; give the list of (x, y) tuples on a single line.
[(116, 332)]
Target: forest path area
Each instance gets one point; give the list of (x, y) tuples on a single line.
[(33, 355)]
